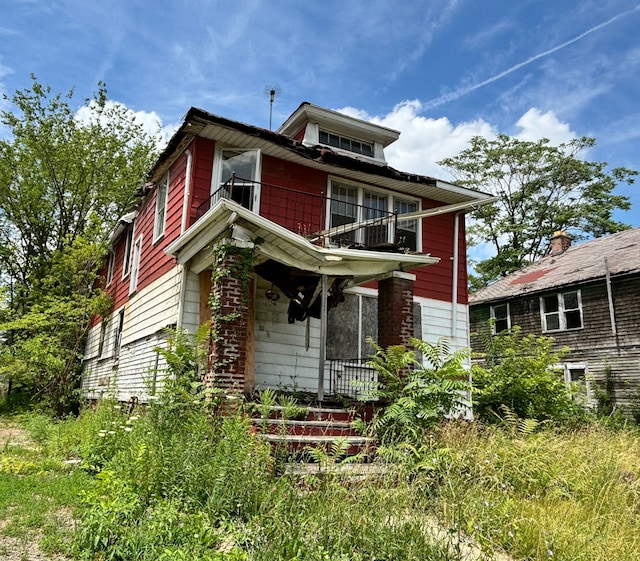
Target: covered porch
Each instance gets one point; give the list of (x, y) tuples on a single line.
[(272, 325)]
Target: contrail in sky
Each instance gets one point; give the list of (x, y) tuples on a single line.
[(468, 89)]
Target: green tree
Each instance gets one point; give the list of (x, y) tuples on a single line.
[(541, 189), (66, 176)]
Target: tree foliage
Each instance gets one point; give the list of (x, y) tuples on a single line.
[(66, 176), (541, 189)]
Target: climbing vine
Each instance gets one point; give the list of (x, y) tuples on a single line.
[(230, 261)]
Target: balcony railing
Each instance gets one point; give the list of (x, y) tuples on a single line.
[(303, 212)]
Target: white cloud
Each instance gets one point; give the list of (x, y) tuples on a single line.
[(150, 121), (423, 140), (535, 124)]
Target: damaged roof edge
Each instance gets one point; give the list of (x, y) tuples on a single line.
[(196, 119)]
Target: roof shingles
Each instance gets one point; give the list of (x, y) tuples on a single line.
[(579, 264)]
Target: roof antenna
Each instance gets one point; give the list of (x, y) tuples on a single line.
[(272, 91)]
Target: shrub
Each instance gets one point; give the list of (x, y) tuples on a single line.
[(417, 395), (519, 376)]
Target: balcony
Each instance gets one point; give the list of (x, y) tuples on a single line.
[(305, 213)]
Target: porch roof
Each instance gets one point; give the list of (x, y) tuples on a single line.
[(228, 219)]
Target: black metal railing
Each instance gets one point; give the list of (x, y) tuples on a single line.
[(302, 212), (353, 377)]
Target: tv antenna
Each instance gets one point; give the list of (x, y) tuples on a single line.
[(271, 91)]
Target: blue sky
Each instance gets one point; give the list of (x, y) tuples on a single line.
[(440, 71)]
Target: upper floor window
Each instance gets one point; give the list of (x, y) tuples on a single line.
[(561, 311), (407, 234), (126, 262), (161, 207), (345, 143), (351, 204), (111, 266), (500, 317), (245, 165), (135, 265)]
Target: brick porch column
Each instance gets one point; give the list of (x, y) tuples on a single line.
[(227, 363), (395, 308)]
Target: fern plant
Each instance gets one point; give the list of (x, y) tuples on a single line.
[(418, 393)]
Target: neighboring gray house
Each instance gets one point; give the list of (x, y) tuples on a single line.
[(587, 297)]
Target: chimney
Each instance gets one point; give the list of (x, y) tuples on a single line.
[(560, 242)]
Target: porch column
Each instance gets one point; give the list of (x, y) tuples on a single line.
[(230, 321), (395, 308)]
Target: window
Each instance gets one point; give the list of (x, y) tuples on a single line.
[(577, 380), (500, 317), (110, 266), (561, 311), (104, 327), (375, 207), (350, 204), (135, 265), (345, 143), (244, 163), (117, 335), (161, 208), (126, 263), (407, 235), (344, 209)]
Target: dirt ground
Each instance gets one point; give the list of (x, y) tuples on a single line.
[(23, 548)]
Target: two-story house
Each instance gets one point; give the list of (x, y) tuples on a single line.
[(305, 242), (587, 297)]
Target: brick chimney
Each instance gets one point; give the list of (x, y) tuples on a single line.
[(560, 242)]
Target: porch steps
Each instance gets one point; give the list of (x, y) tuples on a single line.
[(313, 427)]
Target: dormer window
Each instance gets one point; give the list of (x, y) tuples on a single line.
[(345, 143)]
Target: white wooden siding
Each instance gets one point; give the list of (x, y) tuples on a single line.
[(281, 358), (436, 322), (147, 315), (191, 303)]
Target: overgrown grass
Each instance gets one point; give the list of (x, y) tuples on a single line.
[(177, 482), (540, 494)]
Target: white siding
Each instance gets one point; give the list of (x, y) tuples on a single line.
[(281, 358), (191, 303), (436, 322), (146, 317)]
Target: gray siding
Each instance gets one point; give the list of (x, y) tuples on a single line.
[(606, 354)]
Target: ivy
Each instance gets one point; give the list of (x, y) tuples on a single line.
[(230, 261)]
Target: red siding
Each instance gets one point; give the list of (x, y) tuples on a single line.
[(437, 239), (292, 195), (201, 172), (154, 262)]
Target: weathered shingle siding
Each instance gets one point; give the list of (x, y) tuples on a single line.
[(596, 345)]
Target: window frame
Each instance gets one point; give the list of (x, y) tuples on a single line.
[(391, 197), (160, 217), (342, 141), (495, 318), (111, 265), (561, 311), (117, 335), (135, 265), (104, 328), (216, 177), (567, 368), (128, 248)]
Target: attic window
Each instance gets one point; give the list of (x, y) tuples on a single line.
[(345, 143)]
